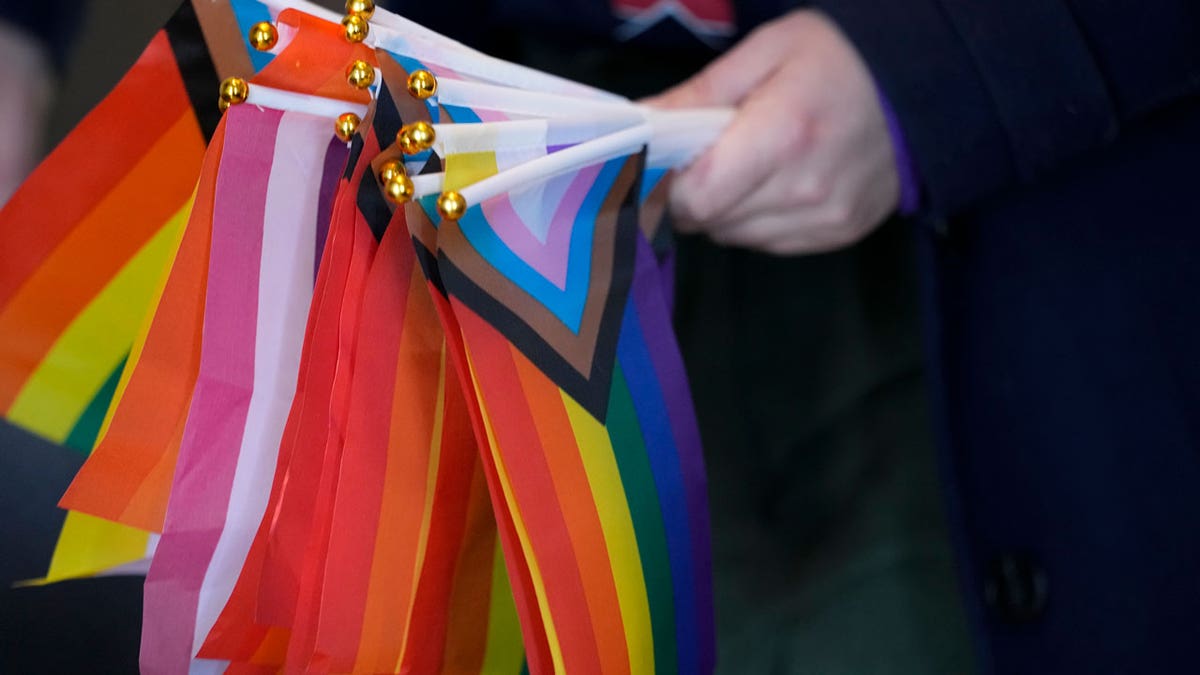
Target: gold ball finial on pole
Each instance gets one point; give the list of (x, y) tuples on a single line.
[(451, 205)]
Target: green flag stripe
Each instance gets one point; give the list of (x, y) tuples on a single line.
[(630, 450), (87, 427)]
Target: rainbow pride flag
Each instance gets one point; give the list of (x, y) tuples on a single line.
[(374, 362), (74, 304)]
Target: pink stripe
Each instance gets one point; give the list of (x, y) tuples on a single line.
[(549, 259), (289, 229), (216, 419), (489, 115)]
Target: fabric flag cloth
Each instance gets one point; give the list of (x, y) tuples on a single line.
[(377, 365), (406, 462), (74, 302), (164, 374), (571, 436), (260, 284)]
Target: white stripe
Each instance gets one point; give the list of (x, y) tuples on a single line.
[(524, 102), (674, 139), (427, 184), (290, 101), (453, 139), (456, 139), (284, 293)]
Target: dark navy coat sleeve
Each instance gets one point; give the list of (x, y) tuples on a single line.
[(995, 93)]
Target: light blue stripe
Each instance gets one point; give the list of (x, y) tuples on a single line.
[(566, 304), (429, 206), (461, 115), (248, 13)]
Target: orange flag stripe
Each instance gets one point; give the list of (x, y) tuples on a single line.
[(466, 637), (361, 475), (128, 476), (518, 446), (450, 527), (123, 221), (316, 60), (520, 576), (86, 166), (406, 483), (579, 509)]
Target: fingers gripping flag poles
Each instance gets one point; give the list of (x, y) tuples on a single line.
[(367, 337)]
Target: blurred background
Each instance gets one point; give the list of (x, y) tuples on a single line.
[(829, 542)]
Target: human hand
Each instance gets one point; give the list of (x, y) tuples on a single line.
[(807, 163), (25, 80)]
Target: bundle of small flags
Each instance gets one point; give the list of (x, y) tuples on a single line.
[(367, 338)]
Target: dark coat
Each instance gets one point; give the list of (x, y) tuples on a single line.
[(1057, 142)]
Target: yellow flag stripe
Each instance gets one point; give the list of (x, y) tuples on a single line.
[(604, 478), (539, 585), (95, 342), (139, 343), (468, 167), (89, 545), (431, 475), (505, 652)]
